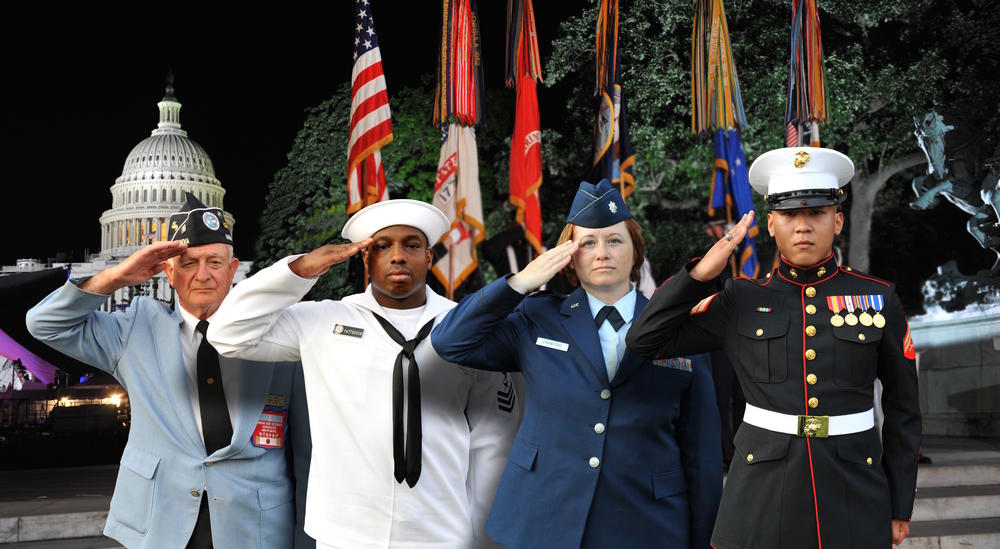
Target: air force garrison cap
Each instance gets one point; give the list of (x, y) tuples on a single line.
[(197, 224), (597, 206), (401, 211), (801, 177)]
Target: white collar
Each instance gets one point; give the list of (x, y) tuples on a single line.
[(625, 305)]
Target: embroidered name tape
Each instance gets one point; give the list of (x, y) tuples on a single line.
[(552, 344), (343, 329)]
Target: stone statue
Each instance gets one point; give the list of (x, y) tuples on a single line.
[(980, 199)]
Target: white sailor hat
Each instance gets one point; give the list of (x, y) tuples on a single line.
[(801, 177), (414, 213)]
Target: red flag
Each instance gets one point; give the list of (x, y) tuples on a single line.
[(526, 162), (371, 124)]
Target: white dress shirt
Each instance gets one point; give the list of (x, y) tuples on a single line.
[(613, 341), (190, 341)]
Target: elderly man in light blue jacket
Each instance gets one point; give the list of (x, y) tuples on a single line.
[(208, 458)]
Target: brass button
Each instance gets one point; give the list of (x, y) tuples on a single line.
[(749, 458), (861, 337), (813, 402), (810, 331), (869, 461), (760, 332), (605, 394), (810, 354), (208, 464), (599, 428), (811, 309), (811, 379), (210, 380), (810, 292), (195, 493)]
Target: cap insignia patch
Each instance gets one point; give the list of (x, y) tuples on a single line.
[(612, 207), (210, 221)]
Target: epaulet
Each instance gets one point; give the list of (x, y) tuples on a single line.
[(866, 276)]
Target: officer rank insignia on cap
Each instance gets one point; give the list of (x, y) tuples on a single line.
[(597, 206), (197, 224)]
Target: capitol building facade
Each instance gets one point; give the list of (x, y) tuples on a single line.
[(151, 187), (157, 173)]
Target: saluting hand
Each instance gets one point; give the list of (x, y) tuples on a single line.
[(319, 261), (717, 257), (137, 268), (543, 268)]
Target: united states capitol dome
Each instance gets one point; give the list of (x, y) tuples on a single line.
[(156, 174)]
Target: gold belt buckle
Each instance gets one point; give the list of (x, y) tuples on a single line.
[(814, 426)]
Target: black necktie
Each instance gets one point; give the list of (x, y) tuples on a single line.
[(215, 423), (406, 466), (611, 314)]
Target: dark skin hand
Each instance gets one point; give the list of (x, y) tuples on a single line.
[(319, 261)]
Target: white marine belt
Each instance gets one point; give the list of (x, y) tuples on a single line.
[(809, 426)]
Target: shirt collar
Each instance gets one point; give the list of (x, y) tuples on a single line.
[(625, 305), (190, 321)]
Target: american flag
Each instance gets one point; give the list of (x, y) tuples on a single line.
[(371, 124)]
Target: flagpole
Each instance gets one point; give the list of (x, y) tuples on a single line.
[(451, 274)]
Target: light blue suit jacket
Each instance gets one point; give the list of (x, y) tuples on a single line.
[(164, 468)]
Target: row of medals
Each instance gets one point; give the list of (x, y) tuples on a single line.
[(864, 318)]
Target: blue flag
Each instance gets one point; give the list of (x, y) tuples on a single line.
[(731, 190)]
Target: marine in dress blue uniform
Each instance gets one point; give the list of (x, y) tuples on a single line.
[(614, 450), (174, 488), (807, 344)]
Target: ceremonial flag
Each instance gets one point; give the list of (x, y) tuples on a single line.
[(731, 190), (523, 69), (371, 124), (457, 108), (460, 67), (716, 101), (614, 158), (806, 105), (456, 193)]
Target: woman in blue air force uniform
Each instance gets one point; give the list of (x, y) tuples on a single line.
[(614, 450)]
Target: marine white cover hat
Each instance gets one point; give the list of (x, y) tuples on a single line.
[(801, 177), (401, 211)]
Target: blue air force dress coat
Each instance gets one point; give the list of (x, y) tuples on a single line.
[(793, 357), (164, 468), (631, 463)]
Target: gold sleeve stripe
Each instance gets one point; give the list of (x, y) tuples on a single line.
[(702, 305)]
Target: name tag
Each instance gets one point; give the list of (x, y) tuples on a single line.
[(552, 344), (341, 329), (270, 430)]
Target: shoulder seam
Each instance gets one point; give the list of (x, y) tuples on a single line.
[(883, 282)]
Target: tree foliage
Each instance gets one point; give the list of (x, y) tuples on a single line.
[(886, 62)]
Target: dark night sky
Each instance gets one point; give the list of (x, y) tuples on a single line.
[(81, 90)]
